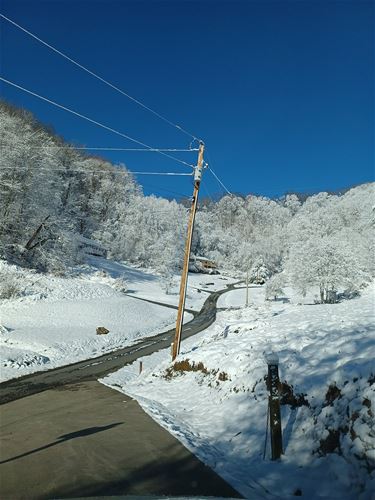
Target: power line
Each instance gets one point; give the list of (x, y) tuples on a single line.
[(100, 78), (84, 170), (151, 150), (218, 180), (83, 148), (155, 150), (214, 174), (93, 121), (160, 173), (205, 189), (182, 195)]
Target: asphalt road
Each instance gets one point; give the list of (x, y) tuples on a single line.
[(64, 435), (84, 440), (95, 368)]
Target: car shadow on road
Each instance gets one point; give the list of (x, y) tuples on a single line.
[(64, 438), (172, 475)]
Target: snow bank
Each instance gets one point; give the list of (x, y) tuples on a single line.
[(214, 399)]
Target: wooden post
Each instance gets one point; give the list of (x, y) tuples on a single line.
[(185, 269), (247, 287), (273, 383)]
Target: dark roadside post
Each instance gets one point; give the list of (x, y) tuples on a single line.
[(273, 384)]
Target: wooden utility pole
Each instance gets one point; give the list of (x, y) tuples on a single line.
[(189, 237), (247, 287)]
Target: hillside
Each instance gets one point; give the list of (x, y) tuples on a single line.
[(52, 195)]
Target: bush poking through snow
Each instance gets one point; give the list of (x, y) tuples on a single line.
[(287, 396), (331, 443), (333, 393), (181, 367), (10, 289), (120, 285), (10, 285), (170, 285)]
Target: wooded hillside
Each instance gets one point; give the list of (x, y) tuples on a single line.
[(50, 193)]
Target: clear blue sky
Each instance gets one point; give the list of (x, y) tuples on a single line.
[(282, 92)]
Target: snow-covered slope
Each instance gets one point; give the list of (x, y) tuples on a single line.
[(214, 399)]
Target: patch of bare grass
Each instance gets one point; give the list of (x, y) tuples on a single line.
[(185, 366)]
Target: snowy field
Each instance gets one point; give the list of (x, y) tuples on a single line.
[(214, 399), (52, 320), (237, 298)]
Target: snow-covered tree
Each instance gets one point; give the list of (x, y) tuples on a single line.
[(329, 263), (274, 286)]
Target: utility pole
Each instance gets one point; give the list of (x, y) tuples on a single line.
[(247, 287), (189, 237)]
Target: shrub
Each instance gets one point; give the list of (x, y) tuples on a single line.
[(10, 285)]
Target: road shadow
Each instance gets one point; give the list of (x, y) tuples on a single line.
[(173, 475), (119, 269), (65, 437), (162, 304)]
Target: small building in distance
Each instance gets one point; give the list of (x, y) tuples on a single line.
[(199, 264), (91, 247)]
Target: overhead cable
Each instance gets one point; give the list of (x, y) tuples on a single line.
[(83, 148), (214, 174), (152, 150), (182, 195), (171, 150), (208, 193), (159, 173), (83, 170), (92, 121), (99, 78), (218, 180)]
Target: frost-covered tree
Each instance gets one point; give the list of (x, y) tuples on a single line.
[(331, 240), (328, 263), (274, 286)]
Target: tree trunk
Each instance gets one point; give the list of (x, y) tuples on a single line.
[(321, 294), (29, 245)]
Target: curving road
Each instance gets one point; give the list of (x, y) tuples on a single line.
[(74, 437), (98, 367)]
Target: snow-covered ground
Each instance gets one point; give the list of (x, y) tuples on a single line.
[(214, 398), (52, 320), (237, 298)]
